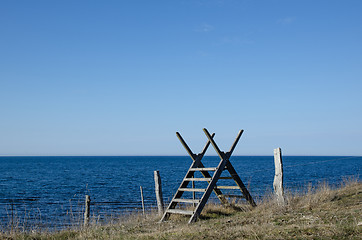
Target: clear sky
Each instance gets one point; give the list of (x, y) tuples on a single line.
[(85, 77)]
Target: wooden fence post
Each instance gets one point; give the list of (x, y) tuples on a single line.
[(158, 191), (143, 202), (278, 178), (87, 210)]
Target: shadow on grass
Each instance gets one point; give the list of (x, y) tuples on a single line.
[(211, 214)]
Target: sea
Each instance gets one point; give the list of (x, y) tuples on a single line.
[(49, 192)]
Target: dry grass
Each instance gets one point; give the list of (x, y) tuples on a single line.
[(319, 213)]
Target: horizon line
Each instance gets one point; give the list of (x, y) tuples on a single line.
[(287, 155)]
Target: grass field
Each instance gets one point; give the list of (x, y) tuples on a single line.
[(318, 213)]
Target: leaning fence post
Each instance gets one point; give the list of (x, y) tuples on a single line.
[(143, 202), (278, 178), (158, 191), (87, 210)]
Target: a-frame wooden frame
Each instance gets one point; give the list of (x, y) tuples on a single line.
[(197, 165)]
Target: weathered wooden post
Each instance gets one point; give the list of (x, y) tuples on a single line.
[(278, 178), (158, 191), (143, 203), (87, 210)]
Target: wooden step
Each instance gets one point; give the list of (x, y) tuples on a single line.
[(197, 179), (179, 211), (186, 200), (202, 169), (192, 189), (227, 187)]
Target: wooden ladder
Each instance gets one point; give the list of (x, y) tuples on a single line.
[(211, 179)]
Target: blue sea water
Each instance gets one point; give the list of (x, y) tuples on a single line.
[(50, 191)]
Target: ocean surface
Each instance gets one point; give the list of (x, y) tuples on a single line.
[(49, 192)]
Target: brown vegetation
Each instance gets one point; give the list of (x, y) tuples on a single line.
[(320, 213)]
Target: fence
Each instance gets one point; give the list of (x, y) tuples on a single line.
[(38, 212)]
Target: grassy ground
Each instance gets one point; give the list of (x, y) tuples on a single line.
[(320, 213)]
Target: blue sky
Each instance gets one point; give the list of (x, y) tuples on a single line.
[(121, 77)]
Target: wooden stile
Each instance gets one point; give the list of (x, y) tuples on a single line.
[(197, 166)]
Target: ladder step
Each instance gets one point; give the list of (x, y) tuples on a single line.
[(186, 200), (225, 177), (197, 179), (233, 196), (202, 169), (227, 187), (179, 211), (192, 189)]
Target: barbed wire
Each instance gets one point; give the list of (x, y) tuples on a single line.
[(315, 162), (175, 184), (301, 164)]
